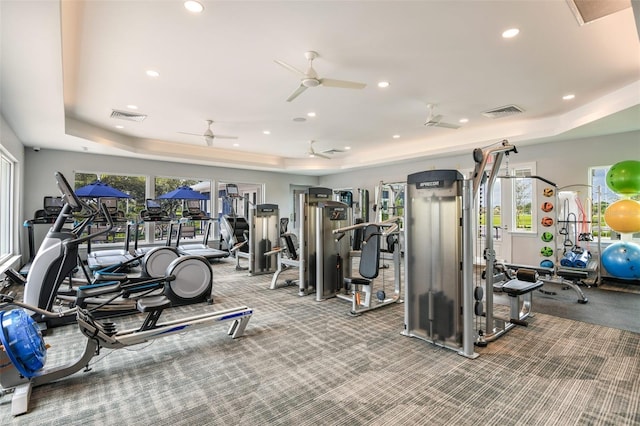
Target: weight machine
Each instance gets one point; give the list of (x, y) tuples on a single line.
[(260, 239), (323, 261), (441, 300), (359, 290)]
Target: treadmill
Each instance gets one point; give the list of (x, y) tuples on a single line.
[(101, 259), (193, 213), (152, 213)]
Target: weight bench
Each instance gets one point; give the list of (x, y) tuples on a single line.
[(519, 291), (551, 277), (571, 278)]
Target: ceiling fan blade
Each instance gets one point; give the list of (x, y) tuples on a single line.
[(447, 125), (289, 67), (329, 82), (437, 122), (297, 92), (319, 155), (224, 137), (332, 151), (192, 134)]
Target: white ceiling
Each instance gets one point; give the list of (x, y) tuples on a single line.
[(66, 66)]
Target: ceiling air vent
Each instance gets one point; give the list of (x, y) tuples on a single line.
[(130, 116), (587, 11), (504, 111)]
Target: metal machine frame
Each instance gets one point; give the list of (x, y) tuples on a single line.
[(264, 231), (358, 286), (440, 300), (323, 261)]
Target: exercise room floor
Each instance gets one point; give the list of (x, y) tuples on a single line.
[(303, 362)]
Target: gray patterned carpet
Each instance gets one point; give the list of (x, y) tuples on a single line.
[(303, 362)]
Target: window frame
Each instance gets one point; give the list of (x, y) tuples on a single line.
[(521, 173), (7, 204)]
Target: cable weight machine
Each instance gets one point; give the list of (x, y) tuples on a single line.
[(442, 301)]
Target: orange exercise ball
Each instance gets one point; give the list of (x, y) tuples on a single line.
[(623, 216)]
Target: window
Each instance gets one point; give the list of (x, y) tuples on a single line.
[(6, 206), (174, 207), (523, 189), (248, 194), (126, 210)]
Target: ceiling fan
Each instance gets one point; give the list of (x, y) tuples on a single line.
[(436, 120), (208, 134), (313, 153), (310, 78)]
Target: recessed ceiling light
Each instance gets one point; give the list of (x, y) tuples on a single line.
[(152, 73), (311, 114), (347, 148), (568, 97), (396, 136), (266, 132), (236, 144), (510, 33), (463, 120), (119, 126), (383, 84), (132, 107), (193, 6)]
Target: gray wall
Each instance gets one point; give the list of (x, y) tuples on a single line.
[(41, 167), (564, 163)]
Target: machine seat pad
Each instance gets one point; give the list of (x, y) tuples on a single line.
[(572, 274), (517, 287), (357, 281), (98, 289), (109, 276), (153, 303)]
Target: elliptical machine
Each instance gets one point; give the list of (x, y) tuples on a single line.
[(24, 353), (187, 279)]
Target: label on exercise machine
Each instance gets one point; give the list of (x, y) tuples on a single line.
[(337, 213), (435, 179)]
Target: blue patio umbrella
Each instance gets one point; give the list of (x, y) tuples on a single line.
[(99, 189), (183, 193)]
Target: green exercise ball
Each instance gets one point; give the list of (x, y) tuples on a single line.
[(546, 237), (624, 177), (546, 251)]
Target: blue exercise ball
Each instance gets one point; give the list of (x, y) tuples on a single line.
[(22, 341), (622, 260)]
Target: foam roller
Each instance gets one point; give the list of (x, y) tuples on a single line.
[(528, 275)]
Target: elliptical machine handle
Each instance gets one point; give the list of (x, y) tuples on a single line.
[(105, 213)]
